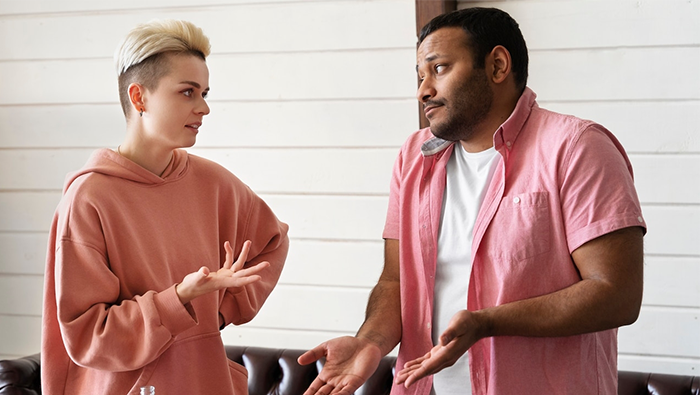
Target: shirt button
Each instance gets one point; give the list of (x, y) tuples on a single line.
[(428, 325), (516, 200), (508, 144), (640, 219), (424, 226)]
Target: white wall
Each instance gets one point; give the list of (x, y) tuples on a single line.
[(634, 66), (310, 102)]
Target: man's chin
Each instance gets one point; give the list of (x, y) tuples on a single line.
[(439, 133)]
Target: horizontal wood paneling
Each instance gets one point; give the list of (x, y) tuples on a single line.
[(614, 74), (19, 7), (24, 294), (27, 211), (358, 74), (247, 335), (664, 178), (601, 23), (235, 28), (672, 230), (658, 364), (315, 308), (672, 281), (649, 127), (21, 335), (333, 263), (663, 331), (23, 253)]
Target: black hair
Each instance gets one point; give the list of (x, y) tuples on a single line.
[(486, 28)]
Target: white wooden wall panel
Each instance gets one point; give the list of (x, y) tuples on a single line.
[(331, 263), (24, 295), (25, 332), (316, 26), (24, 253), (671, 281), (247, 335), (577, 24), (642, 126)]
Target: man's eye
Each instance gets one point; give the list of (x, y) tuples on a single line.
[(439, 68)]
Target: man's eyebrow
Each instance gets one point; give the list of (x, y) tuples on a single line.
[(429, 59)]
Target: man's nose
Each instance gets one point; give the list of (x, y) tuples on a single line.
[(426, 90)]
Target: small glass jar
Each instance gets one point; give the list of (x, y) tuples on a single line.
[(148, 390)]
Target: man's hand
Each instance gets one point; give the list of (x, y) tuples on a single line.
[(462, 332), (231, 275), (350, 361)]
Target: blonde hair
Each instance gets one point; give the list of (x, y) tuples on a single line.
[(141, 56)]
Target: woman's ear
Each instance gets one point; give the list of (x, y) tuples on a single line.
[(502, 64), (136, 96)]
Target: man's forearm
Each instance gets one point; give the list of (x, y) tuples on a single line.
[(609, 295), (382, 324)]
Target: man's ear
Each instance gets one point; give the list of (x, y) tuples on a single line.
[(501, 64), (136, 96)]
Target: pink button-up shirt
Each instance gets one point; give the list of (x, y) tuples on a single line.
[(560, 182)]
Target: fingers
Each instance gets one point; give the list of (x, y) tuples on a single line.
[(251, 271), (242, 257), (320, 387), (229, 255), (312, 355)]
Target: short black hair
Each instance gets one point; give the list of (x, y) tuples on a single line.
[(486, 28)]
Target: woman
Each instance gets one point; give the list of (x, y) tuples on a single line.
[(140, 275)]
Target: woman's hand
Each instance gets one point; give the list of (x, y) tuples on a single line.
[(231, 275)]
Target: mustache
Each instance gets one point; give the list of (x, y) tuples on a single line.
[(433, 103)]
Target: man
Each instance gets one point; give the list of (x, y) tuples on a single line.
[(527, 218)]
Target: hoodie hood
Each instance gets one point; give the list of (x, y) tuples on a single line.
[(106, 161)]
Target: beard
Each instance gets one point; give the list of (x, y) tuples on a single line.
[(472, 100)]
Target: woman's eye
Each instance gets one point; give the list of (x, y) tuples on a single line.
[(187, 92), (205, 94)]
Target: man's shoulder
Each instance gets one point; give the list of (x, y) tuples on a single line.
[(561, 123)]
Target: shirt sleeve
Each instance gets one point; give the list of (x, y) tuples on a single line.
[(269, 242), (98, 329), (597, 190), (391, 225)]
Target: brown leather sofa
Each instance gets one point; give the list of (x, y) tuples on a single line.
[(275, 371)]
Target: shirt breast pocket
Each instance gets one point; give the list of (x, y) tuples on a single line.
[(522, 226)]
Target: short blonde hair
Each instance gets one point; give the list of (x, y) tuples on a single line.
[(141, 56)]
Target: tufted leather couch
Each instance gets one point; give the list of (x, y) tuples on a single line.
[(275, 371)]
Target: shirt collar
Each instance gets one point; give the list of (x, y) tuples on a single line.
[(506, 133)]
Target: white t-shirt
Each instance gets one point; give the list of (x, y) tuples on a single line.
[(468, 175)]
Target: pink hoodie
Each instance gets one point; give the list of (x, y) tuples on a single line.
[(120, 240)]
